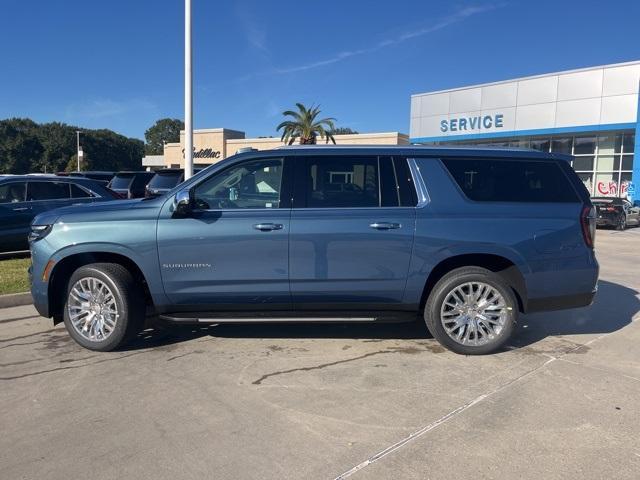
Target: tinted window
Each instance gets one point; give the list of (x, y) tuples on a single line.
[(121, 181), (165, 180), (253, 184), (77, 192), (141, 180), (12, 192), (47, 191), (511, 180), (342, 182)]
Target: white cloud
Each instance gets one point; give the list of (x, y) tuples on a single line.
[(105, 108), (459, 16)]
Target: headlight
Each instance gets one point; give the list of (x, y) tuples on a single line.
[(38, 232)]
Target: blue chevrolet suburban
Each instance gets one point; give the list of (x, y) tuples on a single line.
[(468, 239)]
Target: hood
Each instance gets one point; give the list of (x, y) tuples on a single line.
[(100, 211)]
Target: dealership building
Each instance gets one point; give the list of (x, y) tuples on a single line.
[(591, 113)]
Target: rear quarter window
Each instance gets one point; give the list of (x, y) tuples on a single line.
[(497, 180)]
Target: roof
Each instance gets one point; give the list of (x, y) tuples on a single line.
[(410, 151)]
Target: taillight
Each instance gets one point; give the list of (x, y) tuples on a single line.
[(588, 222)]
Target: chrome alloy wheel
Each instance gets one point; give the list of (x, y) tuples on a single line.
[(474, 313), (92, 309)]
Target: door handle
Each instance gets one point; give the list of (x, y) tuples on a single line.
[(267, 227), (385, 225), (21, 209)]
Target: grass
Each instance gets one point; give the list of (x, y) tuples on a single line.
[(13, 275)]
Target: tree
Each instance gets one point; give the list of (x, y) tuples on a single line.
[(305, 125), (27, 147), (165, 130), (343, 131)]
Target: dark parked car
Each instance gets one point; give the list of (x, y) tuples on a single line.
[(466, 238), (130, 184), (22, 197), (616, 212), (165, 180)]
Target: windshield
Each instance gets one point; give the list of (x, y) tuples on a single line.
[(121, 181), (165, 180)]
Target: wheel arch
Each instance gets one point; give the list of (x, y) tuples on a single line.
[(497, 264), (65, 267)]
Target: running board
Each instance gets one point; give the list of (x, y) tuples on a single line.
[(286, 317)]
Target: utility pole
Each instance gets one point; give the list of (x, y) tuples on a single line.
[(78, 152), (188, 95)]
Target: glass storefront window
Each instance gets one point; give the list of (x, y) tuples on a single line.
[(625, 179), (587, 179), (628, 143), (541, 144), (606, 184), (583, 163), (608, 163), (584, 146), (609, 144), (562, 145), (627, 162)]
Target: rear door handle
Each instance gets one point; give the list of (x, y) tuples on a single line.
[(385, 225), (267, 227), (21, 209)]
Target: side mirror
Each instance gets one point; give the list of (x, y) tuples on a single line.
[(182, 203)]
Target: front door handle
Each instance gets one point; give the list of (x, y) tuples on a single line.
[(267, 227), (385, 225), (21, 209)]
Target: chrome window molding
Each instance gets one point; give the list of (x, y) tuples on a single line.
[(418, 181)]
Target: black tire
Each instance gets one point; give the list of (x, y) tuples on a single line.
[(459, 277), (129, 299), (622, 223)]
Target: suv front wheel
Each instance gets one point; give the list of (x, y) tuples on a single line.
[(104, 306), (471, 311)]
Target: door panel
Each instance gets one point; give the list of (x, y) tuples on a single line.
[(220, 259), (346, 250), (339, 259), (15, 217), (232, 251)]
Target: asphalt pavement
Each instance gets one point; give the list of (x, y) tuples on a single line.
[(325, 402)]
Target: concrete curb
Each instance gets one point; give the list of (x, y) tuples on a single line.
[(15, 300)]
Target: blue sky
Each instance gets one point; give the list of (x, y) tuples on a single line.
[(118, 64)]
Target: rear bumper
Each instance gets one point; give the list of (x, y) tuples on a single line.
[(561, 303), (606, 222)]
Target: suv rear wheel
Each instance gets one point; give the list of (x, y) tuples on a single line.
[(471, 311), (104, 306)]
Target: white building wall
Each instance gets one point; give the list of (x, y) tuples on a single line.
[(597, 96)]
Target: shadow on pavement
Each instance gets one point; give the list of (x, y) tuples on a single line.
[(613, 309)]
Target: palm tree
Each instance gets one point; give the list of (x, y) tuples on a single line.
[(304, 124)]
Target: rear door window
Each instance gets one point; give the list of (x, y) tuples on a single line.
[(77, 192), (13, 192), (47, 191), (343, 182), (497, 180)]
